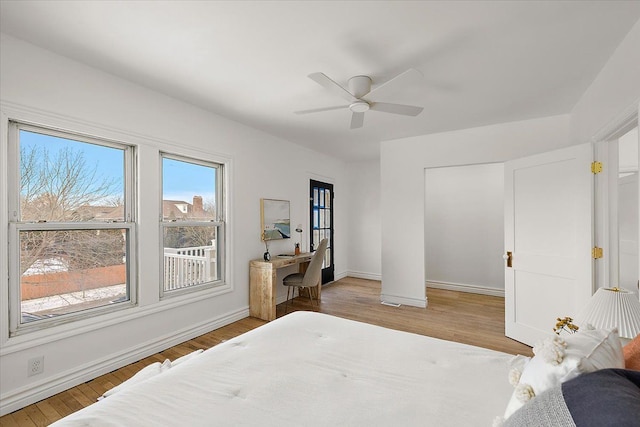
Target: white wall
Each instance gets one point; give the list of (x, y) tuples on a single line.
[(614, 90), (363, 230), (464, 227), (403, 164), (613, 93), (49, 89)]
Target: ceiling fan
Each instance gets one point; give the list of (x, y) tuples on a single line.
[(359, 87)]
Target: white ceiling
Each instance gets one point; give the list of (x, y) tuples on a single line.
[(483, 62)]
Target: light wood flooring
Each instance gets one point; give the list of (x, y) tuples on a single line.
[(454, 316)]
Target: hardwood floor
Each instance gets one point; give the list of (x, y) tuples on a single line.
[(454, 316)]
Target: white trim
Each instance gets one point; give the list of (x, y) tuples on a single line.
[(42, 118), (363, 275), (221, 216), (463, 287), (322, 178), (4, 229), (17, 224), (397, 299), (624, 122), (56, 333), (39, 117), (606, 204), (34, 392), (341, 275)]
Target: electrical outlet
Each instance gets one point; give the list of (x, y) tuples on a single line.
[(35, 366)]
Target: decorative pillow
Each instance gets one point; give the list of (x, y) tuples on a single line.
[(143, 374), (558, 360), (631, 353), (186, 357), (607, 397)]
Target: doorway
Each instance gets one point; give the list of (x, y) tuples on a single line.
[(321, 218), (617, 216), (464, 223)]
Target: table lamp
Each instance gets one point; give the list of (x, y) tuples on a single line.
[(613, 307), (299, 231)]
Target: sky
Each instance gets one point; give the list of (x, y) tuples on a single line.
[(181, 180)]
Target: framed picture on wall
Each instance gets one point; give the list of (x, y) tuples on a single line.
[(275, 221)]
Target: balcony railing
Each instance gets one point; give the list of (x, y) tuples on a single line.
[(187, 267)]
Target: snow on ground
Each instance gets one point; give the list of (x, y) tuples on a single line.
[(73, 298)]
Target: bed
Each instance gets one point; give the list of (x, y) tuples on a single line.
[(313, 369)]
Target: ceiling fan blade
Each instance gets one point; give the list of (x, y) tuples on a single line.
[(405, 110), (318, 110), (357, 119), (332, 86), (409, 77)]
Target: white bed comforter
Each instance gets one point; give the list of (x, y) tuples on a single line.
[(311, 369)]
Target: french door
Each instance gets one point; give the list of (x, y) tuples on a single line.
[(548, 240), (321, 211)]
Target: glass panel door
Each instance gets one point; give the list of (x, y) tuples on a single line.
[(321, 210)]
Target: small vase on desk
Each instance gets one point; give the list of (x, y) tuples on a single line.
[(297, 249), (266, 256)]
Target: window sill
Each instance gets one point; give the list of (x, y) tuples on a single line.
[(47, 335)]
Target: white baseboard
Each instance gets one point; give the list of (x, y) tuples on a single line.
[(43, 389), (363, 275), (460, 287), (396, 299), (341, 275)]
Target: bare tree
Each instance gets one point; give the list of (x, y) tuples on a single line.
[(55, 187)]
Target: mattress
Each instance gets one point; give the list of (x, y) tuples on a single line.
[(313, 369)]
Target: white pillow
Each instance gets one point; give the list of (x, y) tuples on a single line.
[(143, 374), (186, 357), (558, 360)]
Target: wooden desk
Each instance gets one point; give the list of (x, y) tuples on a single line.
[(263, 281)]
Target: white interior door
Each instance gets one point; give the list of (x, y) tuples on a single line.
[(549, 232)]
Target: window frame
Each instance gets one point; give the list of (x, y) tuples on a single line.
[(219, 222), (16, 226)]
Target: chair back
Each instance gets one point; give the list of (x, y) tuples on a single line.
[(312, 275)]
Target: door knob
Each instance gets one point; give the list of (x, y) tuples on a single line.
[(509, 258)]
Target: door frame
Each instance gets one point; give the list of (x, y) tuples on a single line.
[(606, 210), (328, 272)]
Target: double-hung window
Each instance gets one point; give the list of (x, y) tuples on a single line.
[(71, 226), (192, 224)]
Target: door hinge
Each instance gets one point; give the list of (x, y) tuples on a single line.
[(596, 253), (596, 167)]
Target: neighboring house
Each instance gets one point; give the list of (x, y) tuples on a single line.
[(59, 281), (179, 209), (172, 209)]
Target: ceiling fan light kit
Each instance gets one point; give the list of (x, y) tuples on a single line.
[(360, 86), (359, 106)]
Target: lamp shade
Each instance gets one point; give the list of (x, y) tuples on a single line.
[(612, 307)]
